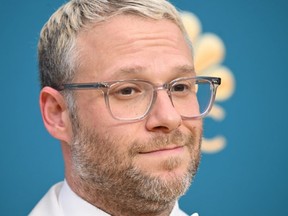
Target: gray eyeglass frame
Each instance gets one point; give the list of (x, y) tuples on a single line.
[(104, 87)]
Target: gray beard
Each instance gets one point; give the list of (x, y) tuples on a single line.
[(104, 177)]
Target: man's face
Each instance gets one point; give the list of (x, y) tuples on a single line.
[(137, 163)]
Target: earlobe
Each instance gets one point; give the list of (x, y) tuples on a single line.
[(55, 114)]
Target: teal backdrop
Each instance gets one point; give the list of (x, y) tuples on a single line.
[(248, 177)]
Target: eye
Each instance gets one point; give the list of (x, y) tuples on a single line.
[(181, 87), (127, 91)]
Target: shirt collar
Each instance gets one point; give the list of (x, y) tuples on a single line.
[(73, 205)]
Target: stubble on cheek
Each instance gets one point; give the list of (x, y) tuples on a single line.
[(108, 172)]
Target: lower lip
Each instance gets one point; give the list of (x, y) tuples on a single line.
[(176, 150)]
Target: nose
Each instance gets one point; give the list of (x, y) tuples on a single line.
[(163, 116)]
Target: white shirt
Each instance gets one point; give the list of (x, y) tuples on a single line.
[(60, 200)]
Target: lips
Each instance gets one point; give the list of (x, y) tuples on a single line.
[(165, 149)]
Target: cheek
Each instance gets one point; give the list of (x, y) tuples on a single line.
[(194, 126), (92, 111)]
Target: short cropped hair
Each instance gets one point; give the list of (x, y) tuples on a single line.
[(57, 51)]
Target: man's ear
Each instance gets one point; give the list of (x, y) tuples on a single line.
[(55, 114)]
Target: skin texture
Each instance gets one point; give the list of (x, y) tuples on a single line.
[(127, 168)]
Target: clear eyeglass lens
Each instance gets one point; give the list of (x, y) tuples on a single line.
[(194, 99), (132, 100)]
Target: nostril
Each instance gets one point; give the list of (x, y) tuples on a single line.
[(161, 128)]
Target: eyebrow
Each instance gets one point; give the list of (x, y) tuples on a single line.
[(130, 70), (185, 70)]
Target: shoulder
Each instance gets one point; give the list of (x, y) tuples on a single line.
[(48, 205)]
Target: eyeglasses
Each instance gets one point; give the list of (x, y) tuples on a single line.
[(130, 100)]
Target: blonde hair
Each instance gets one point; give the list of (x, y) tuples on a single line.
[(57, 51)]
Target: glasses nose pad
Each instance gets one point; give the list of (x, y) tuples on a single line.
[(165, 88), (170, 96)]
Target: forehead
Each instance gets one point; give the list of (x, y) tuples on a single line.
[(129, 27), (131, 41)]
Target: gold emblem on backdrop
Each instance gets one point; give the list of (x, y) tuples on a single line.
[(209, 53)]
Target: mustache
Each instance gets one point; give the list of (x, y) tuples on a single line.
[(159, 141)]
